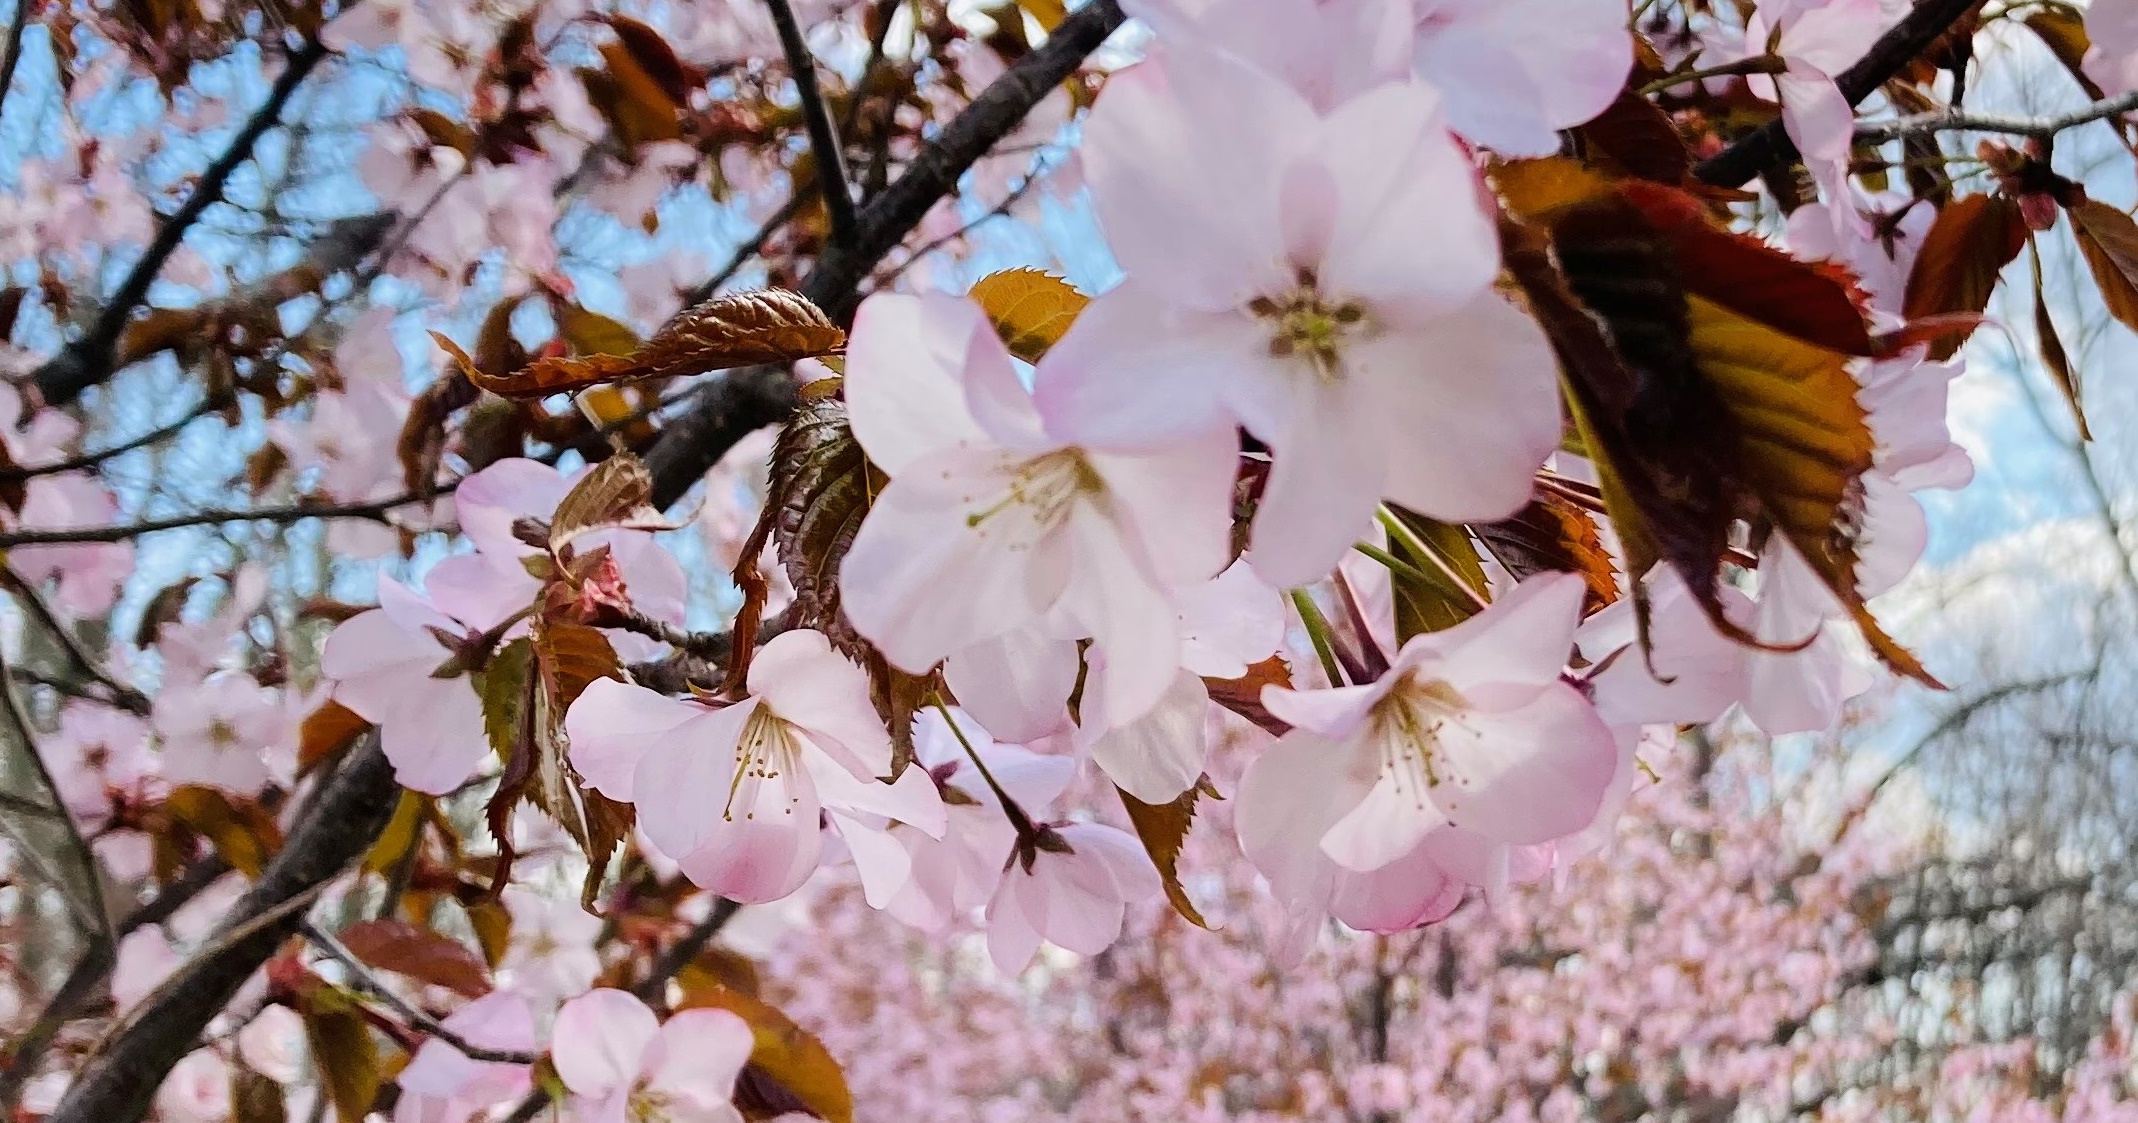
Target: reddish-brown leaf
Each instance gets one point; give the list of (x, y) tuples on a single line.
[(2053, 355), (1635, 134), (420, 954), (2109, 242), (745, 329), (1163, 827), (1956, 269), (1243, 695), (1815, 301), (655, 58)]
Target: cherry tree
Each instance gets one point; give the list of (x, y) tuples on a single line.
[(452, 613)]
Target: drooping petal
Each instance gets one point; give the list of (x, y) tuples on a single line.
[(1337, 712), (912, 799), (1159, 755), (599, 1039), (435, 736), (1288, 798), (1016, 684), (1408, 892), (1326, 480), (1229, 623), (1517, 70), (1135, 639), (370, 642)]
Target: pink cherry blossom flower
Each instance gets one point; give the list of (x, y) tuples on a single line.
[(89, 573), (219, 733), (197, 1089), (1336, 302), (623, 1065), (384, 664), (733, 794), (273, 1044), (1472, 727), (996, 521), (443, 1085), (1327, 50), (955, 875), (144, 961), (2112, 30), (97, 752), (1074, 898), (552, 953)]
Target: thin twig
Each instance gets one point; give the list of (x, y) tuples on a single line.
[(410, 1013), (92, 459), (823, 139), (744, 252), (374, 509), (2041, 128), (1770, 144)]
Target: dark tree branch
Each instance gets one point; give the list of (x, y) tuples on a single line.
[(1770, 144), (823, 139), (88, 360), (765, 395), (85, 981), (343, 820), (12, 55)]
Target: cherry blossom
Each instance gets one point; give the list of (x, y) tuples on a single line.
[(1515, 71), (552, 954), (385, 664), (733, 793), (220, 732), (1338, 305), (1073, 894), (626, 1066), (2112, 33), (1472, 727), (996, 521)]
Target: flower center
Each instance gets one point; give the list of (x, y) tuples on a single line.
[(766, 750), (649, 1105), (1307, 325), (222, 735), (1041, 491), (1409, 721)]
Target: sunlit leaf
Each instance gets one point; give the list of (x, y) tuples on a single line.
[(1552, 534), (327, 732), (401, 835), (242, 831), (1031, 309), (2052, 352)]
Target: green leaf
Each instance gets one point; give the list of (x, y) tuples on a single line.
[(343, 1051), (1426, 600)]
